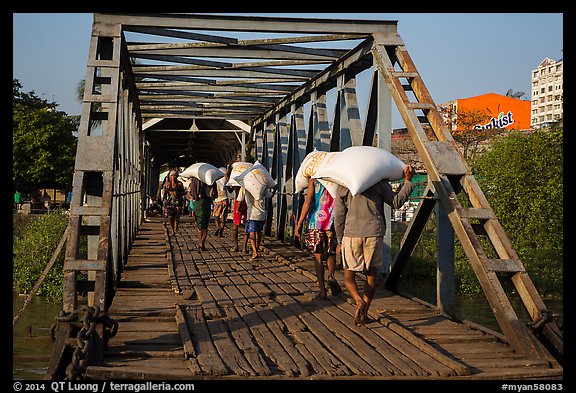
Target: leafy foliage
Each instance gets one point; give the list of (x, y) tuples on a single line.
[(522, 177), (43, 144), (33, 247)]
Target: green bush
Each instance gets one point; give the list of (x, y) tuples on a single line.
[(522, 177), (33, 248)]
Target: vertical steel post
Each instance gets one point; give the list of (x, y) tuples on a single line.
[(445, 285)]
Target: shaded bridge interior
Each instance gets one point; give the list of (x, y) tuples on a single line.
[(174, 89)]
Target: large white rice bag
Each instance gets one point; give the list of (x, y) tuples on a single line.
[(330, 186), (206, 173), (310, 165), (256, 180), (360, 167), (238, 168)]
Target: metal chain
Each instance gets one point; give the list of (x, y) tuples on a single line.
[(77, 367), (62, 316), (90, 319), (545, 317)]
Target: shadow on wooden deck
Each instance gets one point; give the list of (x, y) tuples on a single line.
[(186, 314)]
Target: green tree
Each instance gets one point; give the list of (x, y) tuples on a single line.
[(522, 179), (43, 144), (464, 130)]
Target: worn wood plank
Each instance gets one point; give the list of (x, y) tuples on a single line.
[(326, 363), (305, 286), (243, 338), (227, 349), (399, 363), (268, 342), (207, 354), (440, 368), (189, 351)]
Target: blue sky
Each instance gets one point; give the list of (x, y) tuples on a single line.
[(458, 55)]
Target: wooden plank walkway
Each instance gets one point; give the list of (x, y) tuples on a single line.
[(185, 314)]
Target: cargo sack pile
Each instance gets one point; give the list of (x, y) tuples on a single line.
[(256, 180), (206, 173), (237, 169), (360, 167)]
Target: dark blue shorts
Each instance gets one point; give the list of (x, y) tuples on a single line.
[(254, 226)]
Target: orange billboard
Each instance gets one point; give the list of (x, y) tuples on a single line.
[(504, 112)]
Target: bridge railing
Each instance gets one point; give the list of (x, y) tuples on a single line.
[(106, 207)]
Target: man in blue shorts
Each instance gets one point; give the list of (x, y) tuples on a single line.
[(256, 216)]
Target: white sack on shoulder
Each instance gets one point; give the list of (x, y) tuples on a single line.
[(313, 161), (330, 186), (206, 173), (360, 167), (256, 180), (238, 168)]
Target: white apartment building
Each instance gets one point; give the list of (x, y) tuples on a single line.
[(547, 87)]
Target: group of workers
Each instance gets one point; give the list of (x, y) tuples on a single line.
[(350, 225)]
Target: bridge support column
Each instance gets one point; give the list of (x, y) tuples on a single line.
[(445, 286)]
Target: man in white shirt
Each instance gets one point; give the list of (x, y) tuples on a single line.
[(256, 216)]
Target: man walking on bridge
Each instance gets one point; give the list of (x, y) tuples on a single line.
[(201, 193), (360, 228), (173, 198)]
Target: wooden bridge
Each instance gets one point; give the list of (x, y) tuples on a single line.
[(164, 90), (186, 314)]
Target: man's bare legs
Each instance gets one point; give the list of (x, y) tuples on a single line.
[(369, 288), (258, 240), (362, 302), (174, 225), (319, 268), (253, 241), (202, 233), (331, 263), (246, 238), (235, 231), (220, 225), (335, 288), (235, 237)]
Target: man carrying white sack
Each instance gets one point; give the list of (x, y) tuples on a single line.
[(360, 226)]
